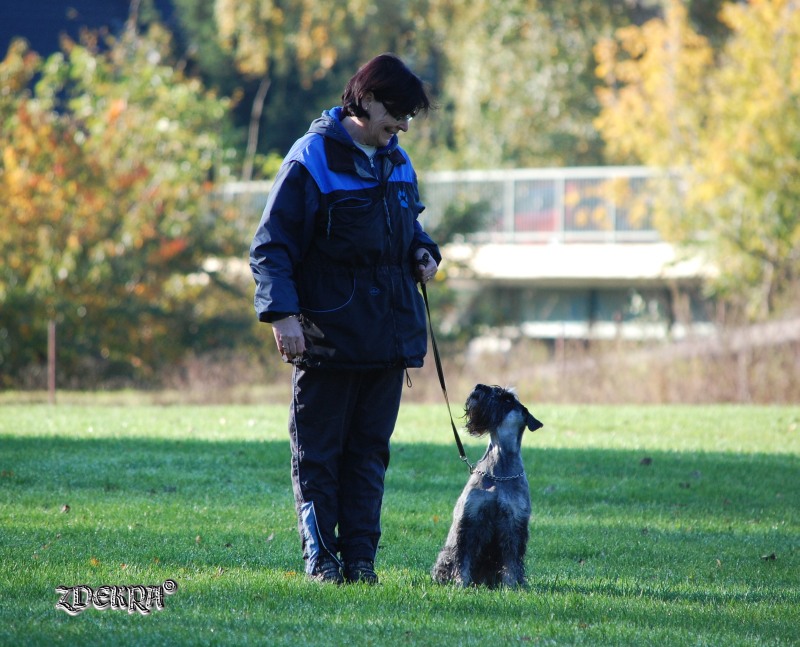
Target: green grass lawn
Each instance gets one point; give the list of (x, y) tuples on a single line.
[(699, 545)]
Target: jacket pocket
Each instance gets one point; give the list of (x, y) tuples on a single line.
[(355, 231)]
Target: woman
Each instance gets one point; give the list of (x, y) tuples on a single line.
[(336, 258)]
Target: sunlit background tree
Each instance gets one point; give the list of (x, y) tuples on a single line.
[(726, 126)]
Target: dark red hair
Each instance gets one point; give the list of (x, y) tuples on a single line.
[(391, 83)]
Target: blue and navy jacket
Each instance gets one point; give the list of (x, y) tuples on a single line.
[(336, 244)]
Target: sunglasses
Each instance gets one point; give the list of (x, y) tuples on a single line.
[(399, 115)]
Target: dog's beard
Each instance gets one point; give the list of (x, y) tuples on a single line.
[(488, 406)]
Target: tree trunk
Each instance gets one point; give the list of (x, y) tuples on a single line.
[(255, 123)]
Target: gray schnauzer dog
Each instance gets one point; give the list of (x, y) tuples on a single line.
[(487, 540)]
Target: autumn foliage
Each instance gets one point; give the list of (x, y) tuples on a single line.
[(726, 125), (108, 156)]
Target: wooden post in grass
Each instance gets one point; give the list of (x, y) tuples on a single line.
[(51, 361)]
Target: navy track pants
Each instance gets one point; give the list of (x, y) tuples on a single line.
[(340, 424)]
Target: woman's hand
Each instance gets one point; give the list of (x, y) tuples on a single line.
[(289, 338), (426, 267)]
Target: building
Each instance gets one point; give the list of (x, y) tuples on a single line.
[(568, 253)]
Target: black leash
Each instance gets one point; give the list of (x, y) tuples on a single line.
[(439, 370)]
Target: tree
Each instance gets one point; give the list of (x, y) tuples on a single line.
[(266, 37), (310, 48), (726, 128), (107, 159), (516, 81)]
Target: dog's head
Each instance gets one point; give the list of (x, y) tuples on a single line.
[(488, 406)]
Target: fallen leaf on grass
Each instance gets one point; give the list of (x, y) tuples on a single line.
[(93, 561)]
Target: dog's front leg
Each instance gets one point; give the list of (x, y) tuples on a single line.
[(513, 570), (464, 570)]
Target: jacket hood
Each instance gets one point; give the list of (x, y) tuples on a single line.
[(329, 124)]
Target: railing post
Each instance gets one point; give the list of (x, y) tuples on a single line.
[(51, 361), (611, 202), (508, 206), (561, 208)]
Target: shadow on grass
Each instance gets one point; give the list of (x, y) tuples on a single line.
[(723, 488)]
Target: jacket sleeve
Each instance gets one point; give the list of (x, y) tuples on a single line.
[(282, 237), (421, 238)]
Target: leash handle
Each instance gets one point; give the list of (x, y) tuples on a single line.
[(440, 372)]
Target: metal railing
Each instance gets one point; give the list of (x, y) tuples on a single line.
[(584, 204), (581, 204)]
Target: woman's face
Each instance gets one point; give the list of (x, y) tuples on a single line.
[(381, 125)]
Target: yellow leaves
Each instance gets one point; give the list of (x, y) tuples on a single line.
[(635, 40), (653, 95), (732, 126), (771, 13), (13, 177), (303, 32), (17, 69), (605, 52), (10, 159), (73, 242)]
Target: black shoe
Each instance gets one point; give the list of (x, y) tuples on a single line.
[(327, 571), (361, 570)]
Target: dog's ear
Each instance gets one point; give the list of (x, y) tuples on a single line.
[(533, 423)]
